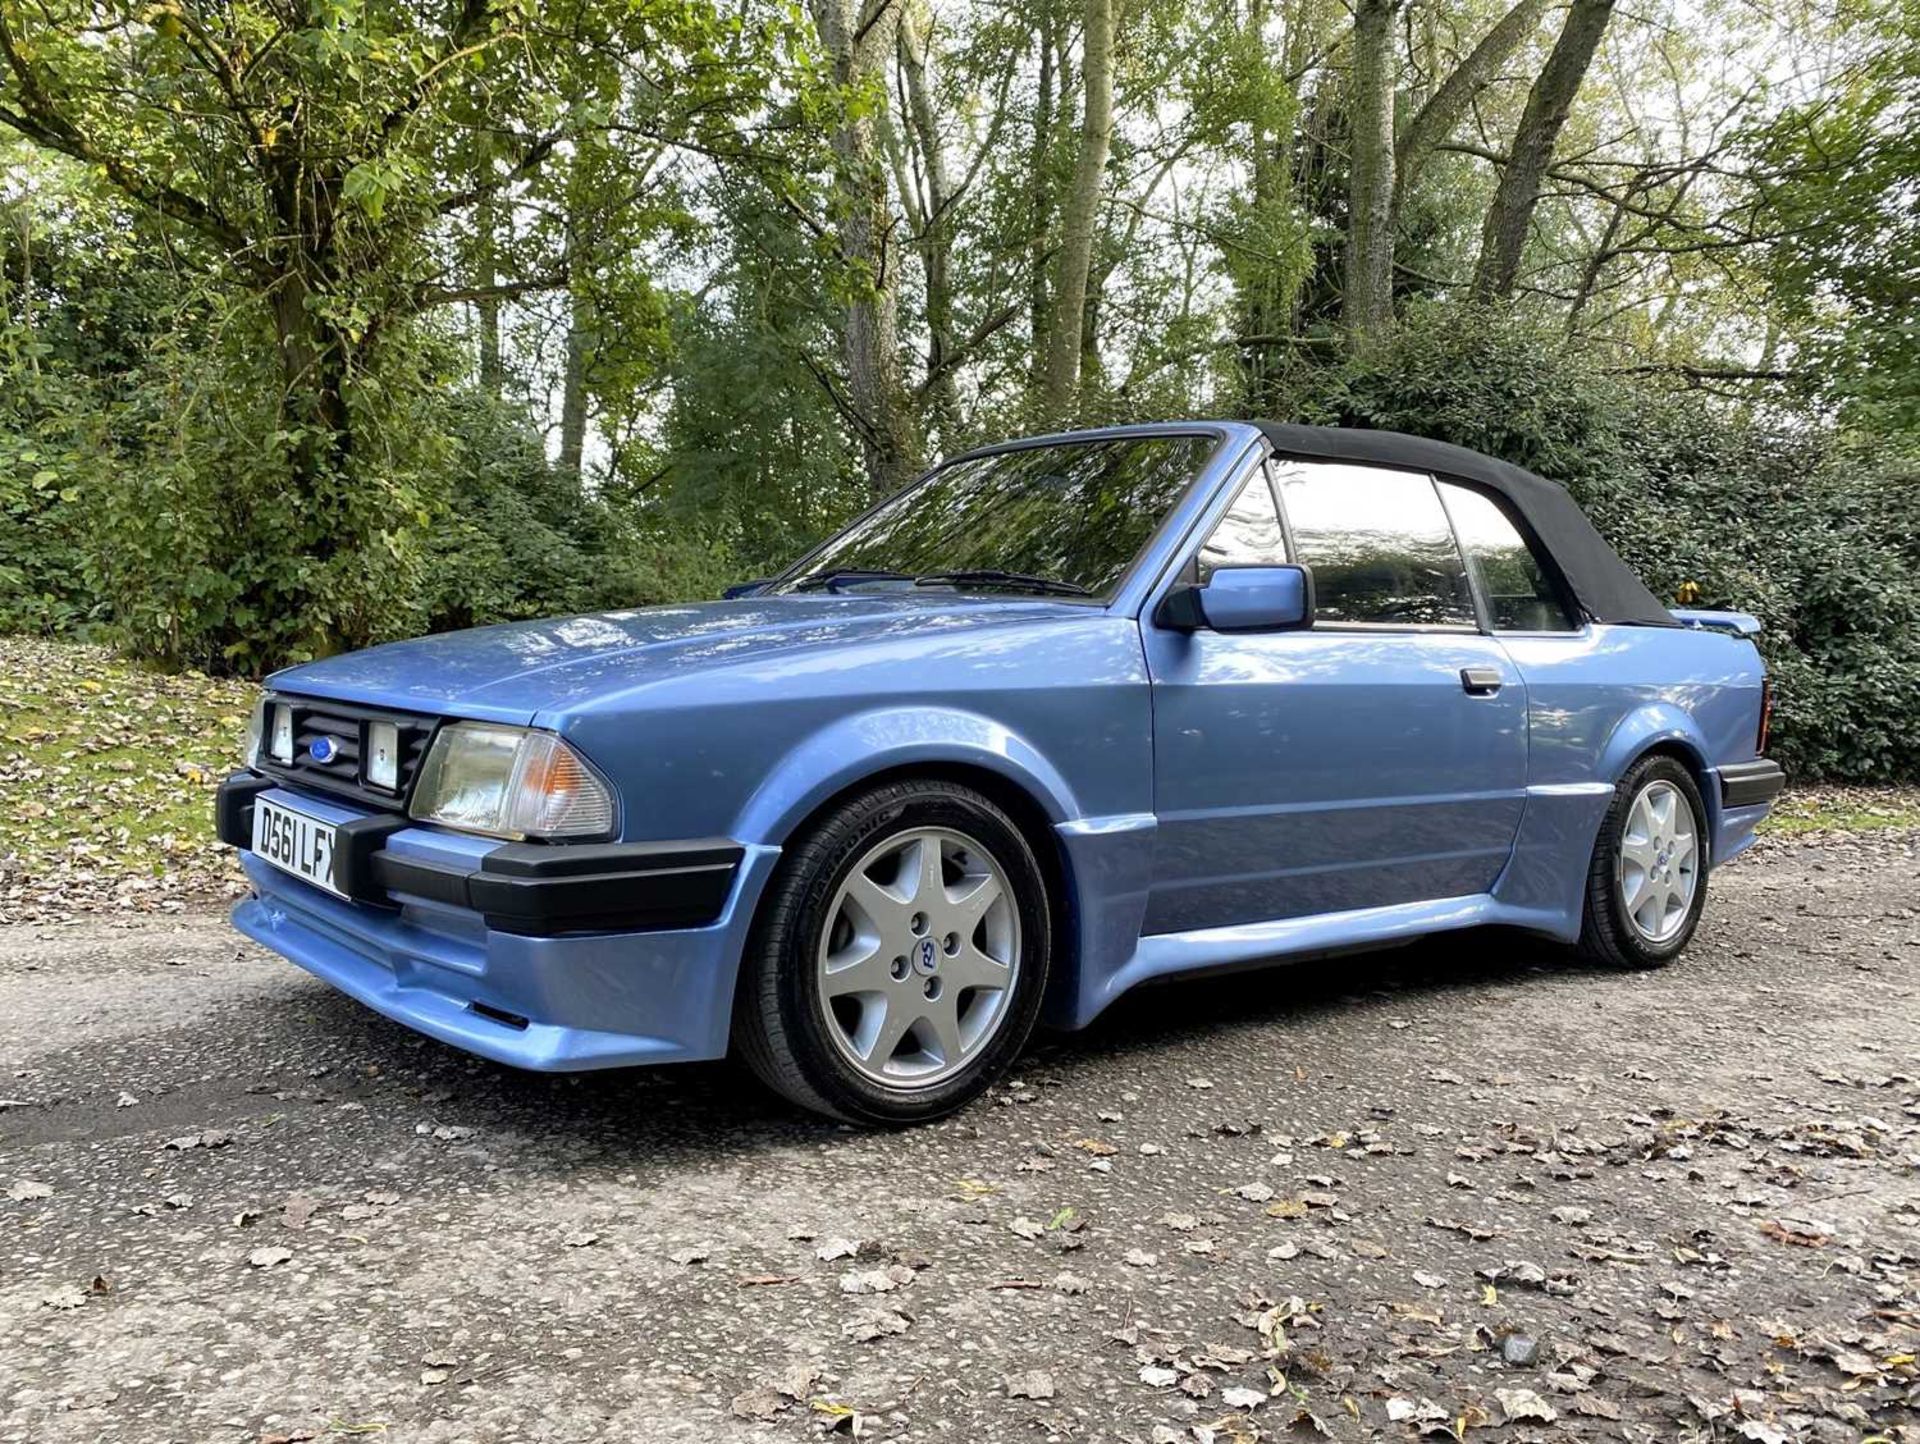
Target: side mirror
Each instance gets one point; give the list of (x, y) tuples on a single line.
[(744, 589), (1242, 599)]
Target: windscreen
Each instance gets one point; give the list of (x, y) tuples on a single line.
[(1065, 518)]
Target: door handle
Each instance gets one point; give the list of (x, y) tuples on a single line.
[(1481, 681)]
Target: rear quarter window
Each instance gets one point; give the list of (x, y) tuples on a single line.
[(1521, 594)]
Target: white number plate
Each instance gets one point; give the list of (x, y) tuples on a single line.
[(295, 843)]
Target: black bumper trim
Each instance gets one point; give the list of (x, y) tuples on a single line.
[(533, 889), (1743, 784), (233, 807)]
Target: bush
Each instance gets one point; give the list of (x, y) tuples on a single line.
[(513, 537), (45, 446), (204, 552), (1775, 517)]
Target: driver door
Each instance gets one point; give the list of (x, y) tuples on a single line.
[(1374, 759)]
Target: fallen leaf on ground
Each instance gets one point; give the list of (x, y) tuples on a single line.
[(878, 1324), (760, 1402), (876, 1281), (1800, 1234), (1523, 1406)]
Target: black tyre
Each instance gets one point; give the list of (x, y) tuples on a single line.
[(899, 958), (1647, 882)]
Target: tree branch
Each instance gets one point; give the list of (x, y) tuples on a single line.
[(1699, 375), (426, 297)]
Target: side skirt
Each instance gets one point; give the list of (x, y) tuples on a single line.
[(1208, 949)]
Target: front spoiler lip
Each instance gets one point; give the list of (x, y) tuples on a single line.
[(534, 889)]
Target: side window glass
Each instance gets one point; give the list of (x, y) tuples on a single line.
[(1249, 534), (1379, 544), (1520, 595)]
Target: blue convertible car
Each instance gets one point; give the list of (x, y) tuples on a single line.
[(1065, 716)]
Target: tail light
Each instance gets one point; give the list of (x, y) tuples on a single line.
[(1766, 716)]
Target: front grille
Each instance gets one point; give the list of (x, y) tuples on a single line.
[(346, 724)]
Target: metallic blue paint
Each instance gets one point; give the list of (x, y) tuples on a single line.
[(1255, 599), (592, 1001), (1214, 798)]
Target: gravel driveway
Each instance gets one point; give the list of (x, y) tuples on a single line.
[(1458, 1188)]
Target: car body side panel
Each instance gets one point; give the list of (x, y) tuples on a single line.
[(1310, 772), (1600, 699), (1056, 702)]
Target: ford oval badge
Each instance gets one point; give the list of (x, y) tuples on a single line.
[(323, 750)]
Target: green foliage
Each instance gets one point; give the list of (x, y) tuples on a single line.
[(205, 551), (515, 537), (294, 301), (41, 450), (754, 456), (1786, 522), (1836, 179)]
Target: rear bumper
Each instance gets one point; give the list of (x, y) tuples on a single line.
[(578, 965), (1747, 784)]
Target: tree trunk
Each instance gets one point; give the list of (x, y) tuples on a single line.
[(1060, 385), (487, 308), (936, 241), (1366, 300), (858, 40), (573, 390), (1447, 106), (1267, 295), (1040, 198), (1503, 239)]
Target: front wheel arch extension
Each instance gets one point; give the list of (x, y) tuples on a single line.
[(1027, 813)]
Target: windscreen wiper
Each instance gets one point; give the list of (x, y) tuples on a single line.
[(992, 577), (833, 576)]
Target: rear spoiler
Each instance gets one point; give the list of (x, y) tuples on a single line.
[(1741, 624)]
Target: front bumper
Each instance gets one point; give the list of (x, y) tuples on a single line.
[(552, 958), (532, 888)]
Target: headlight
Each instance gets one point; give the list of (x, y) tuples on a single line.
[(510, 782), (250, 757)]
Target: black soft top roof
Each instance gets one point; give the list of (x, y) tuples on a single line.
[(1606, 590)]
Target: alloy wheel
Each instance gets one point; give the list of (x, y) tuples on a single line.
[(918, 957), (1658, 869)]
